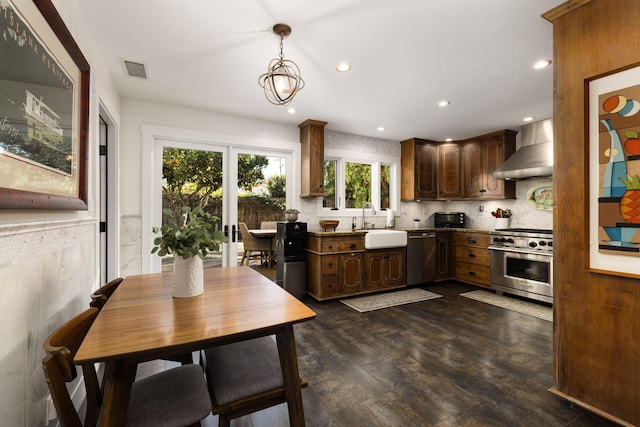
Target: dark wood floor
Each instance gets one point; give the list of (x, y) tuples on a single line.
[(449, 361), (446, 362)]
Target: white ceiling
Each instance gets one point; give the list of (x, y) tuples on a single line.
[(406, 55)]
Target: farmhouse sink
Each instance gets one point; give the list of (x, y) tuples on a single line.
[(380, 239)]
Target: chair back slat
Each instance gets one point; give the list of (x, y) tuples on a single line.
[(60, 348), (269, 225)]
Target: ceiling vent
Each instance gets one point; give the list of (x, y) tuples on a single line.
[(135, 69)]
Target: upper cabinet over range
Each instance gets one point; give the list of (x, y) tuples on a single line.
[(461, 170)]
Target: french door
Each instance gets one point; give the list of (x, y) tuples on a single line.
[(227, 160), (214, 160)]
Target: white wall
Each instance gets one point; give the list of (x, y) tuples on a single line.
[(48, 264)]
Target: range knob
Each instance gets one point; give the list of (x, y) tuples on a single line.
[(533, 244), (550, 244), (542, 243), (510, 240)]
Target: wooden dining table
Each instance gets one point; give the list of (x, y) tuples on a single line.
[(141, 321), (264, 233)]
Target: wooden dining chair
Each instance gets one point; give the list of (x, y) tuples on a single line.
[(176, 397), (253, 244), (271, 225), (268, 225), (100, 296), (244, 377)]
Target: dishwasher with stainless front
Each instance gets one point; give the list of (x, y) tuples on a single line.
[(421, 257)]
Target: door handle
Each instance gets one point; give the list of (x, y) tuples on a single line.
[(225, 230), (233, 233)]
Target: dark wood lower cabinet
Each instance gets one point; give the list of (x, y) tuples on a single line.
[(443, 255), (340, 266), (385, 269), (471, 254), (350, 270)]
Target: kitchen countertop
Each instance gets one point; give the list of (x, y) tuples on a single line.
[(410, 229)]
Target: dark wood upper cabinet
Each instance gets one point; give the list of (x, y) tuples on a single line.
[(461, 170), (312, 158), (482, 156), (419, 169), (450, 171)]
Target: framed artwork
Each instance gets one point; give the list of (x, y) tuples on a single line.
[(44, 110), (614, 172), (540, 196)]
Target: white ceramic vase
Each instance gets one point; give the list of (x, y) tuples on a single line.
[(187, 277), (502, 223)]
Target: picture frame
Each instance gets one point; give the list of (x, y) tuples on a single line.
[(44, 110), (614, 172)]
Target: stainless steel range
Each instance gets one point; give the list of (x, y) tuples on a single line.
[(522, 262)]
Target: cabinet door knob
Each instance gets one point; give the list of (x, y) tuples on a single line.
[(472, 255), (472, 241), (472, 273), (352, 246)]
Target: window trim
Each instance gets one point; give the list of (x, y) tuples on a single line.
[(375, 160)]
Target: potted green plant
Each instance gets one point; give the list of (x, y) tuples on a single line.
[(188, 234)]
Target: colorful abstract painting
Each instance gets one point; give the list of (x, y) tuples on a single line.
[(615, 161)]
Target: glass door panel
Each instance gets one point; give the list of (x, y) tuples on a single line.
[(262, 199), (195, 175)]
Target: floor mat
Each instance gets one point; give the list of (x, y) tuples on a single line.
[(532, 309), (390, 299)]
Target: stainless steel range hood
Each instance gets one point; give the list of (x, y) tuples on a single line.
[(535, 155)]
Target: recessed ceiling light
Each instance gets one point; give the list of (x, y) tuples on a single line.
[(528, 119), (343, 67), (448, 139), (542, 64), (291, 110), (443, 103), (381, 128)]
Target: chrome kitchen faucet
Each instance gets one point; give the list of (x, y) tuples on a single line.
[(373, 212)]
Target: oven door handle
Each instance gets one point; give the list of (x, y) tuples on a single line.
[(520, 251)]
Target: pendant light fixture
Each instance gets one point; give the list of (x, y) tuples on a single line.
[(282, 81)]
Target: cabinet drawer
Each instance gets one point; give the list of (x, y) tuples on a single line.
[(334, 244), (471, 255), (471, 239), (330, 286), (329, 264), (473, 273)]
